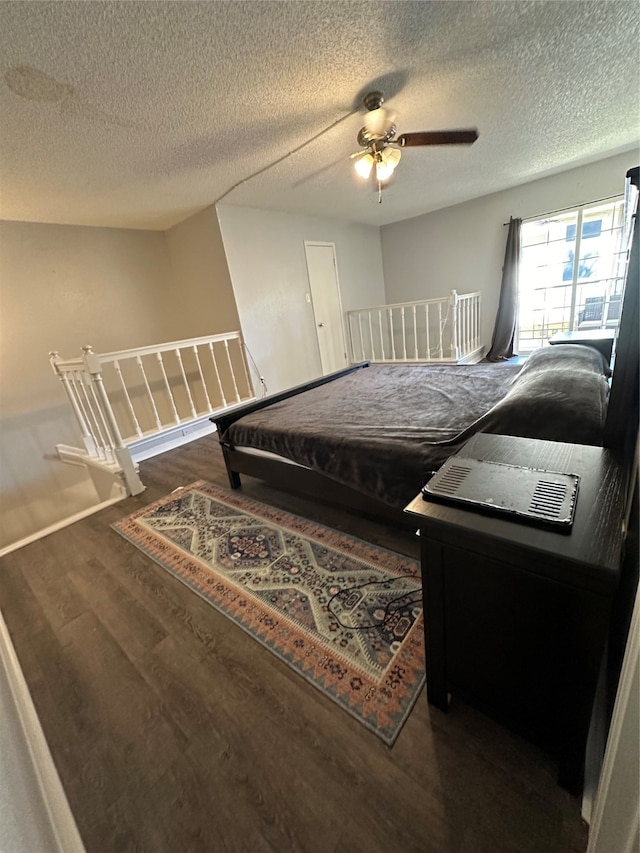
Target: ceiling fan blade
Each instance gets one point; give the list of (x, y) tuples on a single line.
[(438, 137)]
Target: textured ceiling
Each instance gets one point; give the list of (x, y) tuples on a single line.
[(138, 114)]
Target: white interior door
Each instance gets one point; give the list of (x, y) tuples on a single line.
[(327, 306)]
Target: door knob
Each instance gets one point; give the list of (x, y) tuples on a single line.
[(320, 325)]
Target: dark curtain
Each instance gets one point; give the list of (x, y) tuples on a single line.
[(505, 327)]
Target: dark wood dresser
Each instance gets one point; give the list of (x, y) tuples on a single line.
[(600, 339), (516, 616)]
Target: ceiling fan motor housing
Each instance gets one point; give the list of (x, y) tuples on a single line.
[(368, 139), (373, 100)]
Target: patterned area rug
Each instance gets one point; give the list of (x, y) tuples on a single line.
[(344, 614)]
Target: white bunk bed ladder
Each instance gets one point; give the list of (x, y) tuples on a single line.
[(442, 330), (131, 404)]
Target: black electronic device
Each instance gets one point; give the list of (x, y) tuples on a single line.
[(527, 494)]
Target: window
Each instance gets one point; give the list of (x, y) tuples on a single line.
[(571, 272)]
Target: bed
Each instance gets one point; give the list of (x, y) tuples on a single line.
[(367, 438), (370, 435)]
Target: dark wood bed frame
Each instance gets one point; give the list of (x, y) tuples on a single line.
[(620, 433)]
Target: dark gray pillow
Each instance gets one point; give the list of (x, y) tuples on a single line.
[(570, 357), (560, 395)]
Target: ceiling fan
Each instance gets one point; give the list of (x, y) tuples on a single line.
[(382, 149)]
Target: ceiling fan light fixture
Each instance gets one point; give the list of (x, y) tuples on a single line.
[(383, 172), (364, 165), (388, 159), (391, 157), (381, 147)]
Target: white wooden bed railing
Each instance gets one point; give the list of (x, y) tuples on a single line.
[(126, 403), (442, 330)]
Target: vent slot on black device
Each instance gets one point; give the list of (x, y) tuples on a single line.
[(541, 497), (548, 498), (453, 478)]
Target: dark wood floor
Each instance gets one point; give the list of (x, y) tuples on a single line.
[(173, 731)]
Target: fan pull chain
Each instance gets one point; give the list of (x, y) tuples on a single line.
[(379, 192)]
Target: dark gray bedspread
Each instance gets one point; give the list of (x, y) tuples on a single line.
[(377, 430)]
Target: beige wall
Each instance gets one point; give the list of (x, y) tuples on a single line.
[(204, 300), (268, 267), (462, 247), (62, 287)]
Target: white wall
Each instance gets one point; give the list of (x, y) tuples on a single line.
[(62, 287), (462, 247), (266, 257)]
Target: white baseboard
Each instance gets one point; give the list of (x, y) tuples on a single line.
[(51, 808), (64, 522), (142, 449), (472, 357), (145, 448), (615, 816)]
